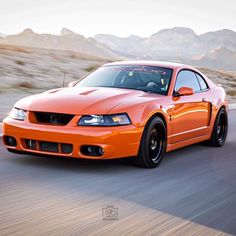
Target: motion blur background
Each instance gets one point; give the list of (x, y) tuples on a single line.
[(192, 193), (42, 40)]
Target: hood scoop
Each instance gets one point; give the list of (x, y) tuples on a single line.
[(87, 92), (54, 91)]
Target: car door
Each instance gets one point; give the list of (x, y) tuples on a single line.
[(191, 112)]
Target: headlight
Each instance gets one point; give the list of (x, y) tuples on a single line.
[(17, 114), (104, 120)]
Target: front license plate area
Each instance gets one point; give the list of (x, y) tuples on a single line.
[(49, 146)]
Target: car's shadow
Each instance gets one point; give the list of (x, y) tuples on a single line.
[(79, 164), (182, 185)]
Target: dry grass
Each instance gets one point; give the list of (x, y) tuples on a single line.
[(27, 69), (232, 93), (226, 78), (13, 48), (24, 84), (19, 62), (32, 68), (91, 68)]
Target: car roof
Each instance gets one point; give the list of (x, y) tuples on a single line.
[(149, 63)]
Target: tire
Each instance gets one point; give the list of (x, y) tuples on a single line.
[(220, 129), (153, 144)]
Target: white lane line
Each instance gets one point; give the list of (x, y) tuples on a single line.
[(232, 106)]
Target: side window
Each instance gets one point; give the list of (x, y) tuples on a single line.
[(202, 82), (187, 78)]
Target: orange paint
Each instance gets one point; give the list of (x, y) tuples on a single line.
[(189, 119)]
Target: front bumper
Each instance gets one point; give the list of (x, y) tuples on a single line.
[(117, 142)]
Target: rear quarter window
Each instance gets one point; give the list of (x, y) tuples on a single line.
[(202, 82)]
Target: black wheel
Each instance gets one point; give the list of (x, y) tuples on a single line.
[(153, 144), (220, 129)]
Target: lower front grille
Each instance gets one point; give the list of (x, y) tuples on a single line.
[(31, 144), (48, 146), (66, 148), (53, 147)]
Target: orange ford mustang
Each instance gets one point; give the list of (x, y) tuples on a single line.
[(138, 109)]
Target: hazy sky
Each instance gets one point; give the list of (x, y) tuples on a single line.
[(120, 17)]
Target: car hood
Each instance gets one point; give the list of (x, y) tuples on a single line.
[(81, 100)]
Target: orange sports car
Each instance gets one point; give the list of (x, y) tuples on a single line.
[(139, 109)]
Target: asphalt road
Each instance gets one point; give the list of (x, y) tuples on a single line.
[(193, 192)]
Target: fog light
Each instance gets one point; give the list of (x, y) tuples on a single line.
[(90, 150), (10, 141)]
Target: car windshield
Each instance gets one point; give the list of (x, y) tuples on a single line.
[(151, 79)]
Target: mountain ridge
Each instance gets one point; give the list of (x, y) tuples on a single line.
[(68, 40), (178, 44)]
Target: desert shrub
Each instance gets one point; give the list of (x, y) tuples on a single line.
[(232, 93), (25, 84), (90, 68), (18, 62)]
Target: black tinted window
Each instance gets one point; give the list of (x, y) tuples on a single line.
[(202, 82), (187, 78)]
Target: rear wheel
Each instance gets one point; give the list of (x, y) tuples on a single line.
[(153, 144), (220, 129)]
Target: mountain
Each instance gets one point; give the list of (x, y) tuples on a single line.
[(222, 38), (175, 43), (220, 58), (67, 40), (2, 35), (172, 43), (68, 32), (126, 46), (179, 44), (214, 49)]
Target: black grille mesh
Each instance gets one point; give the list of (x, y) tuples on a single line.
[(53, 118), (64, 148)]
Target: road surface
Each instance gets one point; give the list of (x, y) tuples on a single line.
[(192, 192)]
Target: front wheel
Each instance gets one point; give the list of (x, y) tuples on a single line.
[(153, 144), (220, 129)]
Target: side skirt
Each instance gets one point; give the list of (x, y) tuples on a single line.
[(171, 147)]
